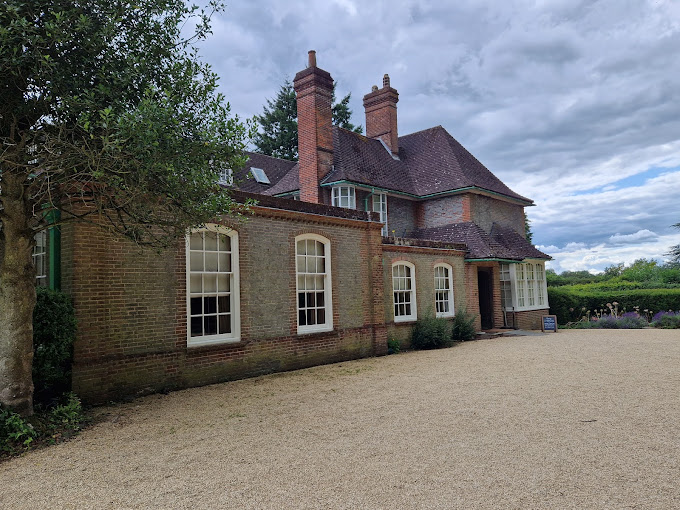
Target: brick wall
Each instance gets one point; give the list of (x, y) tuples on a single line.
[(424, 260), (530, 319), (401, 216), (487, 210), (442, 211), (472, 289), (131, 306)]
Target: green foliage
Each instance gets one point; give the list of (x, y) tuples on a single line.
[(47, 426), (107, 104), (674, 251), (278, 127), (15, 432), (431, 333), (570, 303), (54, 330), (667, 321), (527, 229), (393, 346), (463, 327), (278, 124)]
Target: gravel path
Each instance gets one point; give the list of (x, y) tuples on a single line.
[(578, 419)]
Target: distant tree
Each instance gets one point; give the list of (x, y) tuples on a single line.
[(278, 125), (342, 114), (527, 229), (613, 271), (278, 133), (106, 116), (674, 252)]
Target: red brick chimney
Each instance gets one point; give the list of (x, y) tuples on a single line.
[(314, 92), (381, 115)]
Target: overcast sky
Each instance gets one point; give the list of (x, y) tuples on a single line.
[(575, 104)]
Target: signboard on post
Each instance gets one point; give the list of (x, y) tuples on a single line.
[(549, 323)]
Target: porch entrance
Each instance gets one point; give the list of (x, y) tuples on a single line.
[(484, 287)]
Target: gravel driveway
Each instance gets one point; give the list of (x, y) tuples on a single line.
[(578, 419)]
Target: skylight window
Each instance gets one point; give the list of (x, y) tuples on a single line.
[(259, 175)]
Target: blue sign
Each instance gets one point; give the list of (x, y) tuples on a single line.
[(550, 323)]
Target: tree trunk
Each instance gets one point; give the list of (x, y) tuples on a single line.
[(17, 297)]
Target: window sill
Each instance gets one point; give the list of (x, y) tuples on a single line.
[(213, 341), (313, 330)]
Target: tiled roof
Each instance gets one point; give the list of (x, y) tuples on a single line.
[(430, 162), (275, 168), (501, 243)]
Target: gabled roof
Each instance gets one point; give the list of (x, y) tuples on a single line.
[(501, 243), (430, 162)]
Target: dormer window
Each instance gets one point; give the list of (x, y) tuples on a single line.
[(225, 177), (259, 175), (344, 196)]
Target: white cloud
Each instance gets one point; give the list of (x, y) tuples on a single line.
[(560, 99)]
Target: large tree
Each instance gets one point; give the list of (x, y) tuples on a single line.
[(278, 123), (674, 252), (106, 116)]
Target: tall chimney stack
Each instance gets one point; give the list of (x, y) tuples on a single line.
[(381, 114), (314, 92)]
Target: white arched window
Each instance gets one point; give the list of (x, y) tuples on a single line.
[(213, 314), (313, 283), (443, 290), (404, 291)]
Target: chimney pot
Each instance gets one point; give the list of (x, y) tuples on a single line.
[(386, 80), (312, 58), (374, 88)]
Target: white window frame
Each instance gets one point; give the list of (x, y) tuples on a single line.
[(529, 286), (344, 196), (301, 260), (409, 284), (380, 206), (507, 295), (448, 281), (40, 258), (226, 177), (233, 285)]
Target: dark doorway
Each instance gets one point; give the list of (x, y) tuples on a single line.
[(485, 297)]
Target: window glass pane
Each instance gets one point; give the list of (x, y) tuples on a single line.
[(225, 324), (210, 325), (210, 283), (224, 243), (211, 262), (224, 304), (224, 262), (223, 283), (195, 285), (196, 241), (211, 241), (196, 261), (302, 247), (196, 326), (210, 304), (196, 308), (321, 316)]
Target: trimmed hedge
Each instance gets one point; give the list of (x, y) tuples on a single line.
[(562, 299)]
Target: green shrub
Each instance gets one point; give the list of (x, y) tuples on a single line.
[(666, 320), (431, 333), (15, 432), (393, 346), (54, 330), (571, 303), (46, 426), (463, 327)]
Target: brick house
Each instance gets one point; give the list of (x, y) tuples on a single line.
[(344, 249)]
